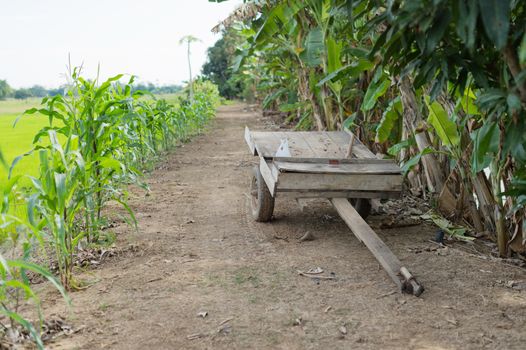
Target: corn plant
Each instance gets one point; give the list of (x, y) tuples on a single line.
[(21, 238), (98, 139)]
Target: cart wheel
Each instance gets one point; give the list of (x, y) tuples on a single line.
[(362, 206), (262, 201)]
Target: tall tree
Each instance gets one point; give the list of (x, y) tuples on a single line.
[(218, 67), (188, 39), (5, 90)]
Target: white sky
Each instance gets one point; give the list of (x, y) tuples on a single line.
[(138, 37)]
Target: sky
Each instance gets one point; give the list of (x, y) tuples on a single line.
[(139, 37)]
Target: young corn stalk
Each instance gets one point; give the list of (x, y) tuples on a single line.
[(98, 138), (21, 238)]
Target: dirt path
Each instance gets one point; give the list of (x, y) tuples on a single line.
[(199, 251)]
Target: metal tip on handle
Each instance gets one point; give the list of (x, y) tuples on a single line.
[(410, 285)]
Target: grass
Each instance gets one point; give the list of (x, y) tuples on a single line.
[(18, 140)]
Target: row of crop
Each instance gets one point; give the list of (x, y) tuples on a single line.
[(439, 85), (99, 139)]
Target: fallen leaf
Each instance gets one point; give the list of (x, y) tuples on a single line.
[(315, 270), (195, 336), (297, 322), (307, 237), (224, 329), (452, 321)]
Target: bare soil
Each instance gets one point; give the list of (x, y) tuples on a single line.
[(199, 251)]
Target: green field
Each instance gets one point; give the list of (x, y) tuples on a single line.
[(18, 140)]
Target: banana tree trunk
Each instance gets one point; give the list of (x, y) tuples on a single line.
[(306, 95), (413, 120)]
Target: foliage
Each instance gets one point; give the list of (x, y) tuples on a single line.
[(98, 139), (444, 81), (5, 90), (15, 263), (39, 91), (157, 89), (218, 67), (22, 94)]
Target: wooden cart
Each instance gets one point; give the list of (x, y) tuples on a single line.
[(333, 165)]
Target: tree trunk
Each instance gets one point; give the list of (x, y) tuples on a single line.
[(306, 94), (413, 120), (511, 59), (191, 83), (486, 201)]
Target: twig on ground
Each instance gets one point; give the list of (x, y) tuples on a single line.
[(304, 274), (225, 321), (387, 294)]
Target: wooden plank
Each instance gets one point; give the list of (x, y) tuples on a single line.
[(322, 182), (398, 273), (336, 194), (266, 172), (305, 144), (297, 145), (274, 170), (341, 139), (266, 144), (337, 160), (315, 168), (250, 141), (333, 149), (358, 150), (315, 140), (365, 234)]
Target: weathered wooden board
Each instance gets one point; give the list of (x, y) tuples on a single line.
[(250, 141), (336, 194), (343, 182), (334, 160), (320, 143), (351, 169), (297, 145), (367, 236), (344, 137), (301, 144), (318, 168), (269, 173), (399, 274), (334, 148)]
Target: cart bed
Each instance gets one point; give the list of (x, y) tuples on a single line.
[(305, 144), (318, 164), (321, 165)]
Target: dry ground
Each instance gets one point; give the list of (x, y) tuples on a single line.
[(198, 250)]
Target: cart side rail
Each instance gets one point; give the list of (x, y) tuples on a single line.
[(250, 142)]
